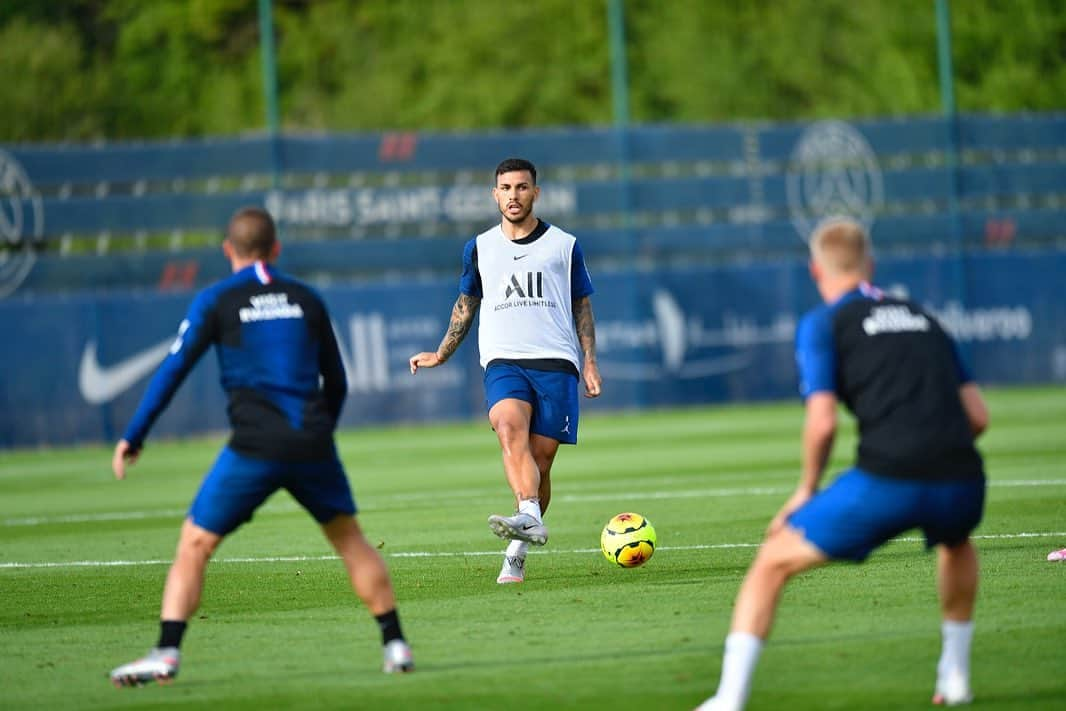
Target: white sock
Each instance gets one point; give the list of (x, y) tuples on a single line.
[(531, 507), (738, 665), (955, 648), (517, 549)]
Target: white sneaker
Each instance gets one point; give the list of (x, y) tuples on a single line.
[(398, 657), (1057, 555), (513, 570), (160, 664), (520, 527), (953, 690)]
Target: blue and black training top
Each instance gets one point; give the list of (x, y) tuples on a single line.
[(279, 362), (899, 373)]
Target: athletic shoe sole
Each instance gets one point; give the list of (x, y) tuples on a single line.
[(503, 528)]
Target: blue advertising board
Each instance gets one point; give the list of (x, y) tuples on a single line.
[(74, 367)]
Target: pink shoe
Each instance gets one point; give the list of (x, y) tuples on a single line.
[(1057, 555)]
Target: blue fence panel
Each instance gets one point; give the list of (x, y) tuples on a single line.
[(159, 213), (685, 143), (348, 208), (343, 208), (130, 162), (1013, 179), (161, 161), (482, 151), (375, 258), (1033, 131), (904, 136), (661, 194), (665, 337), (704, 192), (328, 154), (378, 257)]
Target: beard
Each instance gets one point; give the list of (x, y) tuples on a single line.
[(520, 217)]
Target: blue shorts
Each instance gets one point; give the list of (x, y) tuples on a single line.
[(552, 394), (860, 511), (237, 485)]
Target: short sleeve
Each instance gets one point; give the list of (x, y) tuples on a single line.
[(580, 281), (815, 356), (470, 280), (961, 369)]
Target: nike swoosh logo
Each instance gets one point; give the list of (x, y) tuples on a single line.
[(521, 257), (99, 385)]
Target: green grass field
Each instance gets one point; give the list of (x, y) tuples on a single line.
[(82, 561)]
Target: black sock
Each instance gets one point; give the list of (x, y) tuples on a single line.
[(171, 633), (389, 623)]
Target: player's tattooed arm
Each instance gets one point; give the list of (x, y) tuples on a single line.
[(462, 318), (585, 325)]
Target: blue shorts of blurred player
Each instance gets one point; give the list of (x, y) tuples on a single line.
[(237, 485), (860, 511)]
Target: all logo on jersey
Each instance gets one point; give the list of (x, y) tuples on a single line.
[(530, 284), (523, 289)]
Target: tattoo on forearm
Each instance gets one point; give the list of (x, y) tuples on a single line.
[(585, 326), (462, 318)]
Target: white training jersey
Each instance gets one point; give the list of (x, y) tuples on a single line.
[(527, 288)]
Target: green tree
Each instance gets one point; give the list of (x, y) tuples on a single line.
[(190, 66), (47, 92), (77, 69), (450, 65)]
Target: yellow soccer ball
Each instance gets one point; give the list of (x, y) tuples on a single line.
[(628, 540)]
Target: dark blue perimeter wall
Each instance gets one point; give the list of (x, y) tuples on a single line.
[(73, 368)]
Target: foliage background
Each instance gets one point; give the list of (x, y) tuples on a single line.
[(87, 69)]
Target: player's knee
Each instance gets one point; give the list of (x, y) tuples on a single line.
[(199, 542), (772, 560), (787, 553), (511, 431), (196, 550)]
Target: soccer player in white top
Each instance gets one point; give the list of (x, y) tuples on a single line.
[(536, 339)]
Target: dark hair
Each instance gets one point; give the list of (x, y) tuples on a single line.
[(251, 232), (512, 164)]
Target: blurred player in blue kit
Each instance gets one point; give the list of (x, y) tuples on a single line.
[(284, 378), (918, 413), (536, 340)]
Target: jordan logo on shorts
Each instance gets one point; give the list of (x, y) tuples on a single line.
[(566, 427)]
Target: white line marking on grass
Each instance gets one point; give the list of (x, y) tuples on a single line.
[(689, 494), (88, 518), (288, 506), (85, 564), (460, 554)]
